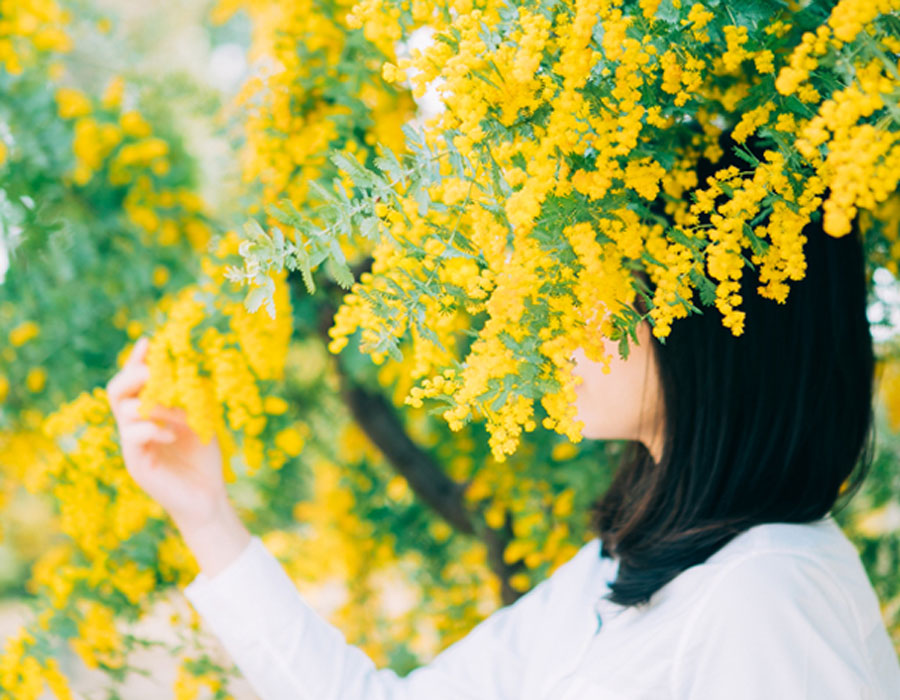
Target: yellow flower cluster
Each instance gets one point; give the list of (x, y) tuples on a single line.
[(217, 374), (121, 144), (888, 215), (190, 685), (391, 263), (337, 545), (751, 120), (29, 28), (511, 276), (698, 17), (23, 677), (99, 503), (861, 166), (889, 387), (99, 641), (98, 136), (99, 507), (850, 17), (549, 115), (23, 454), (289, 123), (735, 38), (167, 215), (24, 332)]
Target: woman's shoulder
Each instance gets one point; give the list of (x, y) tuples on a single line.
[(794, 589), (785, 618), (789, 564), (820, 538), (791, 560)]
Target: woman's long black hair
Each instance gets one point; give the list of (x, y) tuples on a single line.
[(762, 427)]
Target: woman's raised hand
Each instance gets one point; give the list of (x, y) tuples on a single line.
[(170, 462)]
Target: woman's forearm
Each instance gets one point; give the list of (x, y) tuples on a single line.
[(218, 540)]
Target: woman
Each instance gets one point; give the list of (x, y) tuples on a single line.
[(717, 571)]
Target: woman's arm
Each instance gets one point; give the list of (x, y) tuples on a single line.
[(287, 651)]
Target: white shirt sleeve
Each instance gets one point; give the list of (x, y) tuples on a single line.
[(770, 627), (287, 651)]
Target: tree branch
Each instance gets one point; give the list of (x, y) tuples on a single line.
[(380, 421)]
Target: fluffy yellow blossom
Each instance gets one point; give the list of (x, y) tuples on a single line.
[(20, 673), (133, 123), (735, 38), (98, 641), (588, 143), (764, 61), (848, 17), (56, 681), (72, 103), (92, 144), (751, 120), (31, 28), (290, 441), (160, 275), (698, 16), (392, 73), (36, 379), (112, 94), (643, 176), (21, 334), (189, 686)]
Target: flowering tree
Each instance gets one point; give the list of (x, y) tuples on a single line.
[(467, 255)]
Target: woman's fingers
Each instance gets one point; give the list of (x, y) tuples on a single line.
[(128, 411), (128, 380), (138, 351), (144, 432), (126, 383), (174, 415)]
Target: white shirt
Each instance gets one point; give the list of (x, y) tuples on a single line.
[(781, 611)]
